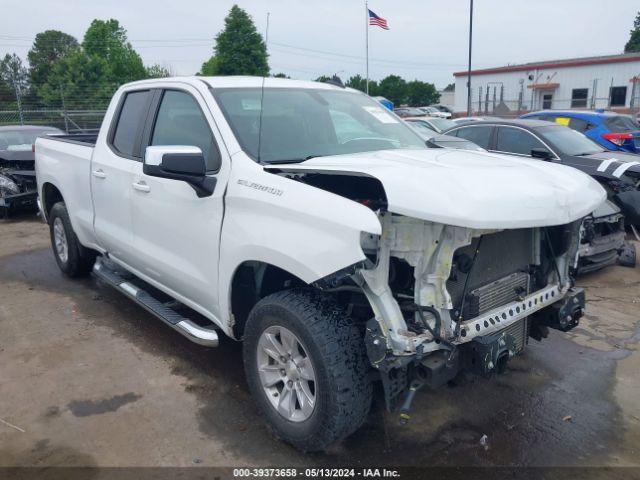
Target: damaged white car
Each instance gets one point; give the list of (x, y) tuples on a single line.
[(312, 224)]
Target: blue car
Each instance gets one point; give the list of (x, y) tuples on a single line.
[(609, 129)]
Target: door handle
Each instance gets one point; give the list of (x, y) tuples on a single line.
[(141, 187), (99, 173)]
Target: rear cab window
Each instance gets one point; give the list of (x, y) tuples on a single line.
[(131, 117)]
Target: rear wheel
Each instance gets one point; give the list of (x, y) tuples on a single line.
[(73, 259), (306, 367)]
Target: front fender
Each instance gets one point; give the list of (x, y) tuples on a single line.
[(306, 231)]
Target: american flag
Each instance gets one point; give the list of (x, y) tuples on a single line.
[(376, 20)]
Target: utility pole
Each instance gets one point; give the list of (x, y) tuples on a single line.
[(469, 65), (266, 34)]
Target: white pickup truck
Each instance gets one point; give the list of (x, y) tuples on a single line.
[(310, 223)]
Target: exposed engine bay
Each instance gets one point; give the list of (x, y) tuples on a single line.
[(463, 297)]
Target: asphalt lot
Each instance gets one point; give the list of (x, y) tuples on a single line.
[(89, 379)]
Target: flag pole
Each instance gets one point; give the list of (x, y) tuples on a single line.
[(366, 26)]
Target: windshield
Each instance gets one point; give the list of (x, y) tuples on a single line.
[(299, 124), (20, 140), (620, 123), (568, 141)]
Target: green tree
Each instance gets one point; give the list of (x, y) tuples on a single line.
[(357, 82), (323, 78), (421, 93), (157, 71), (14, 79), (280, 75), (108, 40), (89, 74), (48, 47), (394, 88), (239, 49), (360, 83), (80, 81), (633, 45), (210, 67)]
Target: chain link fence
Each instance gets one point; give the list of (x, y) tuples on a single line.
[(71, 121), (491, 100)]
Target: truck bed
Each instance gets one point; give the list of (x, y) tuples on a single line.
[(88, 139)]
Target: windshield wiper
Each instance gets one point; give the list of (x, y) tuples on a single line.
[(294, 160)]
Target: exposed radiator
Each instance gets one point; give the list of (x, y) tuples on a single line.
[(499, 274), (496, 294)]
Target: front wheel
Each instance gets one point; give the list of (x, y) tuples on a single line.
[(306, 367), (73, 259)]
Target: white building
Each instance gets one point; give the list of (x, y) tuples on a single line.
[(611, 82)]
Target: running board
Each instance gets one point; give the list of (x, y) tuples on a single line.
[(197, 334)]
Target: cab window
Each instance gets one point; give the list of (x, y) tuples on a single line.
[(180, 121), (515, 140), (131, 118)]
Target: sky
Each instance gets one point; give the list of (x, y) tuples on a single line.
[(427, 40)]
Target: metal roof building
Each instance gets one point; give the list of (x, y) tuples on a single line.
[(611, 82)]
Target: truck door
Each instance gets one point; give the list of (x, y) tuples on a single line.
[(176, 233), (111, 173)]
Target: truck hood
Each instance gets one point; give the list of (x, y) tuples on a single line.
[(469, 189)]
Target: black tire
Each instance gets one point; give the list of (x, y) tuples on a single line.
[(80, 260), (336, 349)]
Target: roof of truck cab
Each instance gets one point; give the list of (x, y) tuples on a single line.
[(244, 82)]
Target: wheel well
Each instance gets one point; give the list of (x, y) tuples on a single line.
[(253, 281), (50, 196)]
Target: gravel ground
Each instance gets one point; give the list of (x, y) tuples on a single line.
[(89, 379)]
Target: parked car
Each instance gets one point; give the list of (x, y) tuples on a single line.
[(438, 140), (17, 175), (443, 108), (609, 129), (438, 125), (618, 172), (434, 112), (235, 205), (461, 120), (408, 112)]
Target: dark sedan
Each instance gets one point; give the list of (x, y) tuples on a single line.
[(17, 170), (603, 239), (618, 172)]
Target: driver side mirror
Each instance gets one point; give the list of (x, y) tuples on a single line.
[(541, 153), (181, 163)]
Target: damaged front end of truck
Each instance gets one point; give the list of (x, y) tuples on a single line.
[(459, 278), (448, 298)]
